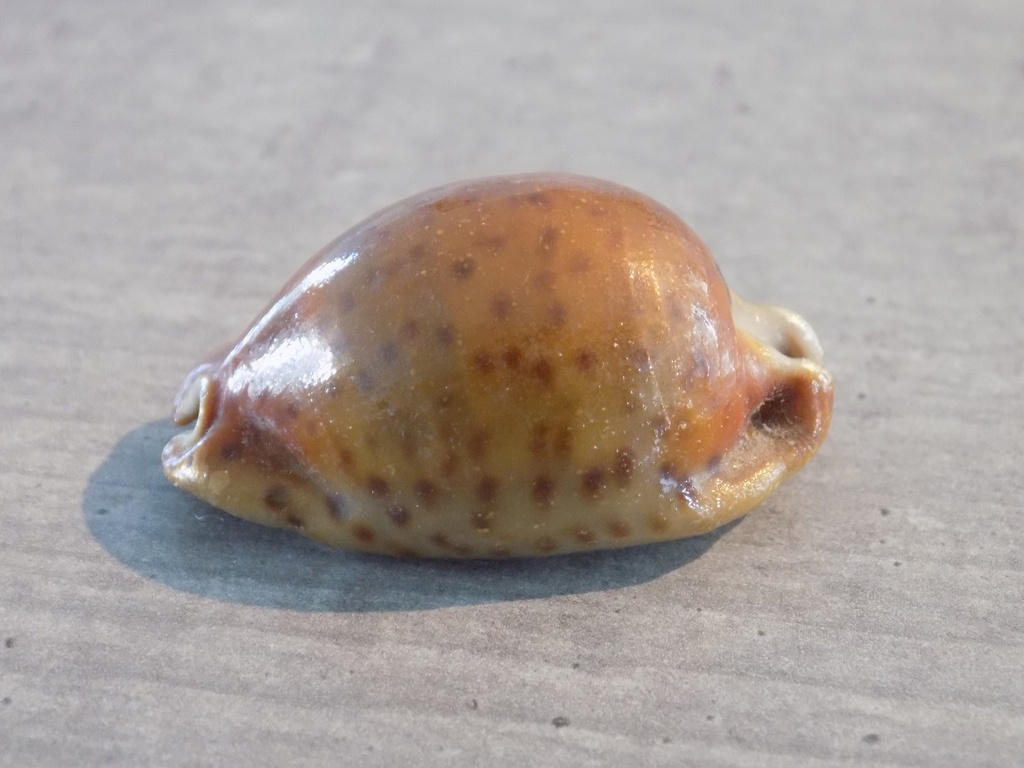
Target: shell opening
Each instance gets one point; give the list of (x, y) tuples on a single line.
[(777, 411), (794, 406)]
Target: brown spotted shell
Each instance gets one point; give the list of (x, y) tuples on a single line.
[(505, 367)]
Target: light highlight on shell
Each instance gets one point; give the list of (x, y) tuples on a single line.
[(511, 366)]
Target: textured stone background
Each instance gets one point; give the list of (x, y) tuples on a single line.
[(164, 166)]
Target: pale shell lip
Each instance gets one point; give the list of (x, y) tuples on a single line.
[(187, 402), (779, 329), (195, 401)]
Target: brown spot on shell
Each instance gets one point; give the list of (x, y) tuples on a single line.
[(418, 252), (409, 329), (377, 486), (442, 541), (230, 451), (543, 489), (658, 523), (337, 506), (543, 371), (347, 460), (701, 365), (585, 536), (543, 279), (501, 306), (483, 362), (618, 529), (580, 262), (483, 519), (362, 532), (478, 443), (592, 482), (512, 357), (548, 239), (585, 360), (676, 308), (557, 314), (364, 382), (540, 199), (276, 498), (454, 202), (445, 335), (464, 267), (398, 514), (546, 544), (563, 440), (493, 243), (641, 358), (487, 489), (295, 521), (426, 491), (402, 551), (372, 280), (449, 463), (346, 302)]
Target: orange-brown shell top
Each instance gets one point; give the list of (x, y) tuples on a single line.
[(509, 366)]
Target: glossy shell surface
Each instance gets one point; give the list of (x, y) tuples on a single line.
[(512, 366)]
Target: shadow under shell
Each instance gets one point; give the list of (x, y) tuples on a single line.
[(169, 536)]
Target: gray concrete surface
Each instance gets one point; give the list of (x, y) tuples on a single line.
[(164, 166)]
